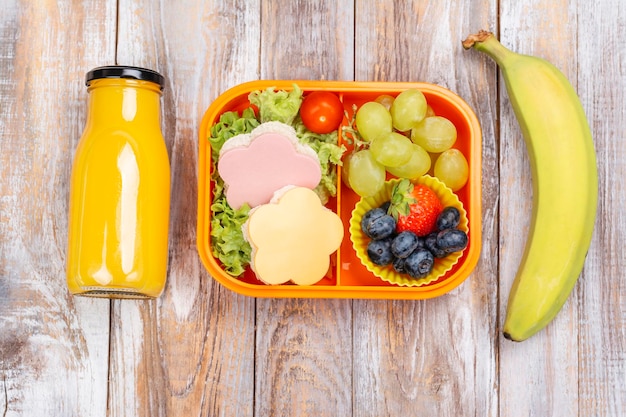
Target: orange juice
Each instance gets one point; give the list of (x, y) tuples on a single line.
[(120, 189)]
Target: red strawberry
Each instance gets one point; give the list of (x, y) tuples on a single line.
[(415, 207)]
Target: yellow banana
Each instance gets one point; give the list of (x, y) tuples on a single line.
[(565, 185)]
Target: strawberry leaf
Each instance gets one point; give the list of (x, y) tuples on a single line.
[(401, 199)]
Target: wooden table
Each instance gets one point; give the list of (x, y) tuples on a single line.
[(201, 349)]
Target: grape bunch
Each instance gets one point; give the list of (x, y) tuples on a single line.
[(401, 136)]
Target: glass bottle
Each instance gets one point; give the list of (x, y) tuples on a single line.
[(120, 189)]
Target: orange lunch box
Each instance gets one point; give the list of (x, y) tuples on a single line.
[(349, 278)]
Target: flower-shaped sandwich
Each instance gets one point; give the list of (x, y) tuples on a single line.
[(293, 237), (255, 165)]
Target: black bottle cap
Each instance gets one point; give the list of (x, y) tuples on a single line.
[(125, 71)]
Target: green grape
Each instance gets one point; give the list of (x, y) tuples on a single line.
[(429, 111), (372, 119), (418, 164), (452, 169), (366, 176), (386, 100), (408, 109), (392, 149), (435, 134), (345, 169)]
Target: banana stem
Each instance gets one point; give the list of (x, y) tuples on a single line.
[(486, 42)]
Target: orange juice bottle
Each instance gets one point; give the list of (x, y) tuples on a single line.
[(120, 189)]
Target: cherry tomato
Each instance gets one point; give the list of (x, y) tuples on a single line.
[(321, 111)]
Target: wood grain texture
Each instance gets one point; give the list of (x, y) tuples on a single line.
[(307, 40), (45, 335), (304, 349), (601, 82), (552, 354), (202, 350), (415, 355), (190, 352)]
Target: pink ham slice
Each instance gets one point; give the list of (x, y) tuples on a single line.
[(269, 162)]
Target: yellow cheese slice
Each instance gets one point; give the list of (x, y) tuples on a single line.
[(293, 238)]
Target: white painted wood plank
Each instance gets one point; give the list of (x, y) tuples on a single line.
[(438, 356), (53, 347), (601, 294), (192, 351), (540, 375), (303, 356)]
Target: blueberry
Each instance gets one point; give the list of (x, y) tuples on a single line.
[(449, 218), (381, 227), (419, 263), (430, 242), (452, 240), (385, 206), (404, 243), (379, 252), (369, 216), (398, 265)]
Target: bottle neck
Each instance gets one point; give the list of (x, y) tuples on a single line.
[(119, 100)]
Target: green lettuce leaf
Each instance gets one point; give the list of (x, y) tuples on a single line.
[(329, 154), (227, 241), (280, 106), (230, 124)]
